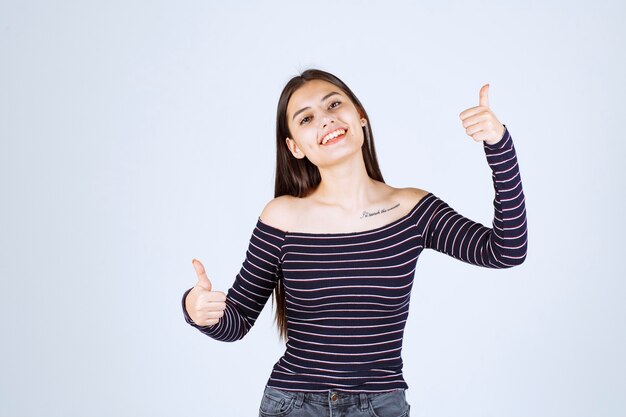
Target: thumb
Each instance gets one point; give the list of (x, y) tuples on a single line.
[(484, 98), (203, 280)]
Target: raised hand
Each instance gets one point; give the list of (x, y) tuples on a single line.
[(480, 123), (204, 306)]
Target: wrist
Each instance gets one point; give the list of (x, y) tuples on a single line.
[(496, 144)]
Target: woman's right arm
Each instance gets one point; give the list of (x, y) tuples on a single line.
[(247, 296)]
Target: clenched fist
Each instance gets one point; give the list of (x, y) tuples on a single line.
[(205, 307)]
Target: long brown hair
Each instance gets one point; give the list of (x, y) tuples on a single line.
[(299, 177)]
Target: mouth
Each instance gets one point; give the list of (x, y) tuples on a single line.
[(333, 137)]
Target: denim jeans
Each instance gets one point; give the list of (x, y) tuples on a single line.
[(283, 403)]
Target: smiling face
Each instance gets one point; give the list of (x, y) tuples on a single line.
[(325, 124)]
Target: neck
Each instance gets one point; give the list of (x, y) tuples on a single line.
[(346, 184)]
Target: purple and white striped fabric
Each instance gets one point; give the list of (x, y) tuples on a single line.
[(347, 294)]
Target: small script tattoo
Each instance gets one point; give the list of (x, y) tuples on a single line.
[(379, 211)]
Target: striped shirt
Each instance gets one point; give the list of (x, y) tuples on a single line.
[(347, 294)]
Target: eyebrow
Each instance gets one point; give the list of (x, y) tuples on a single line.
[(306, 108)]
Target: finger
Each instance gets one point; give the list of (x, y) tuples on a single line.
[(216, 307), (474, 129), (216, 298), (481, 136), (472, 111), (212, 314), (485, 132), (483, 99), (203, 279), (209, 318), (215, 315), (477, 118)]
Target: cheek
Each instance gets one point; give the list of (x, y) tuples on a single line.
[(358, 134), (303, 142), (307, 138)]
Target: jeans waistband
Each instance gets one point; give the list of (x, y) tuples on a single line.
[(331, 396)]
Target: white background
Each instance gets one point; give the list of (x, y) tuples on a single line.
[(138, 135)]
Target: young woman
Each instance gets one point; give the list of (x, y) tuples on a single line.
[(339, 247)]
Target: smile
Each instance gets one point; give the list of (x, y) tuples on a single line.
[(334, 136)]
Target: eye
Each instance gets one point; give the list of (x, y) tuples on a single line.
[(334, 104), (305, 120)]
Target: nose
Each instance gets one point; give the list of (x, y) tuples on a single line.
[(326, 120)]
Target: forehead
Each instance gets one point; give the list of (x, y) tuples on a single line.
[(310, 94)]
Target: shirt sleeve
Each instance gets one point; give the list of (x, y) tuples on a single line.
[(252, 287), (505, 244)]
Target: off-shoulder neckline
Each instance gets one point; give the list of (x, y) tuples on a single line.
[(377, 229)]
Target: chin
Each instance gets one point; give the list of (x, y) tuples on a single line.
[(342, 156)]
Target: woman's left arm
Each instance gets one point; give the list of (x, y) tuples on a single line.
[(505, 244)]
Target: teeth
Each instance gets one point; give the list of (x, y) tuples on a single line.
[(332, 135)]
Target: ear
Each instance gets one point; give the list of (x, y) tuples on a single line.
[(363, 121), (293, 147)]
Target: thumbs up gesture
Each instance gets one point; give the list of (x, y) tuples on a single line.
[(480, 123), (204, 306)]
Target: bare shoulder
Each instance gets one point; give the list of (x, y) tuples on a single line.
[(279, 211), (410, 195)]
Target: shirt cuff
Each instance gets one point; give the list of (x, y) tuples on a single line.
[(503, 143)]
